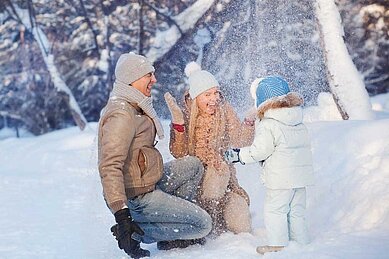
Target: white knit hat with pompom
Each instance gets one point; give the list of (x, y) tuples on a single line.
[(199, 80)]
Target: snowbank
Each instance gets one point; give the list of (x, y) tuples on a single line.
[(53, 205)]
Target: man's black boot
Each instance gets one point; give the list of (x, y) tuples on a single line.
[(168, 245)]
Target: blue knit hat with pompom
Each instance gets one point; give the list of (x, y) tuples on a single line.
[(269, 87)]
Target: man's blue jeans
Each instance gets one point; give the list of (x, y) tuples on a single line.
[(168, 213)]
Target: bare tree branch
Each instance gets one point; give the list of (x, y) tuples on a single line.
[(10, 115), (108, 44), (141, 28), (31, 14), (169, 20), (58, 83), (90, 25), (10, 5), (183, 35)]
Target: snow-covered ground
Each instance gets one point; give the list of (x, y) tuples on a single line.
[(52, 204)]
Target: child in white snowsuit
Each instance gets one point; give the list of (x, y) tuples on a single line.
[(282, 143)]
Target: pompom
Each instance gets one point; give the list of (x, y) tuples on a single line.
[(253, 88), (191, 68)]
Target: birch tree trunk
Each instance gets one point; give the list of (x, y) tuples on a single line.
[(28, 20), (346, 83)]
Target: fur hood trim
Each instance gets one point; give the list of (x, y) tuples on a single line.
[(292, 99)]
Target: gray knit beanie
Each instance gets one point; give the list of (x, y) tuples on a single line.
[(130, 67)]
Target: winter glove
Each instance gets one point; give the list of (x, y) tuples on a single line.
[(232, 155), (177, 115), (123, 231)]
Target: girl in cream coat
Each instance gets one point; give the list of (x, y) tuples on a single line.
[(282, 144)]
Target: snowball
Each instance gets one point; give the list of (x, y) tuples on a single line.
[(191, 68)]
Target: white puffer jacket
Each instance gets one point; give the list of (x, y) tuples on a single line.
[(283, 144)]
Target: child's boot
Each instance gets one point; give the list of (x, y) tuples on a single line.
[(268, 249)]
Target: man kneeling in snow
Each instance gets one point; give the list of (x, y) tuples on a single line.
[(151, 201)]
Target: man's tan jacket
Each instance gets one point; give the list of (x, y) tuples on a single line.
[(129, 165)]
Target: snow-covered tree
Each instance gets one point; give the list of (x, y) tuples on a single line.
[(268, 37), (346, 83), (366, 26), (241, 40), (236, 40)]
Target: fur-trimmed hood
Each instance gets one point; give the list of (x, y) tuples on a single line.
[(291, 112)]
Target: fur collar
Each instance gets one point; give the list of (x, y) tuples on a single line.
[(292, 99)]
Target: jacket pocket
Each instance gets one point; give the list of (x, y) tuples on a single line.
[(150, 165)]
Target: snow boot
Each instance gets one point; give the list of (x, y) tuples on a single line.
[(168, 245), (268, 249), (134, 250)]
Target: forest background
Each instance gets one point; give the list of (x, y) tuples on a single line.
[(57, 58)]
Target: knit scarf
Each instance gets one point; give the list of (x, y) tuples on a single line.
[(133, 95)]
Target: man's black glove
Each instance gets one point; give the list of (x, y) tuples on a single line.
[(123, 231)]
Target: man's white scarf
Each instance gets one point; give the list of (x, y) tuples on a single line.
[(133, 95)]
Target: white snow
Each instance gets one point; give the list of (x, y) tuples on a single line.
[(165, 40), (375, 9), (104, 61), (51, 196), (201, 38), (325, 110), (188, 18), (52, 203), (380, 102)]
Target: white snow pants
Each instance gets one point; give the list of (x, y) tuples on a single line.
[(284, 216)]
